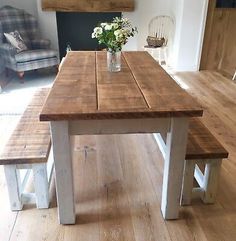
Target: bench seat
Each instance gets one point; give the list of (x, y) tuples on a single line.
[(203, 162), (202, 144), (29, 148), (203, 159)]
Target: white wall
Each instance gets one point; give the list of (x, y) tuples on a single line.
[(176, 11), (144, 12), (190, 16), (48, 25)]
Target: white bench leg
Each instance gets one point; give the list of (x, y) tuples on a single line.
[(14, 187), (211, 177), (188, 182), (41, 185)]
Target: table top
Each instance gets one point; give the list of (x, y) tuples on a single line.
[(84, 89)]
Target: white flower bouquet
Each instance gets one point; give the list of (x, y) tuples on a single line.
[(114, 34)]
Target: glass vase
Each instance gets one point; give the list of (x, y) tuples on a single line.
[(114, 61)]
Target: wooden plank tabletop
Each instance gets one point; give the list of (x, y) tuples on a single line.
[(84, 89)]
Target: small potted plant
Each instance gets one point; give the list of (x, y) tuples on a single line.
[(114, 35)]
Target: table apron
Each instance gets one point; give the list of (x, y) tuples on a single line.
[(119, 126)]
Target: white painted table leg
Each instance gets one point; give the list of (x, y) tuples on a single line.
[(173, 168), (14, 186), (63, 171), (41, 185)]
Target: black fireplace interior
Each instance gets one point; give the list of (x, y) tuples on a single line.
[(226, 3), (76, 29)]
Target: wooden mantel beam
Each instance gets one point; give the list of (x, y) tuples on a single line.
[(88, 5)]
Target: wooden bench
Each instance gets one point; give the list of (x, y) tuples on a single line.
[(28, 148), (203, 159)]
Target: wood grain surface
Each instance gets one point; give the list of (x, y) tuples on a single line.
[(219, 46), (84, 89), (202, 144), (30, 142), (88, 5)]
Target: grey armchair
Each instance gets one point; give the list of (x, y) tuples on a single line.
[(38, 55)]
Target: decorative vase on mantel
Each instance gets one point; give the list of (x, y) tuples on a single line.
[(113, 61)]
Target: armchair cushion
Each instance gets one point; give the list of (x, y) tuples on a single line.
[(40, 44), (32, 55), (15, 39)]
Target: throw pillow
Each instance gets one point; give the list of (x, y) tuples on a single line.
[(15, 39)]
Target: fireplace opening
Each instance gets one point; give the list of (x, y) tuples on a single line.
[(75, 30)]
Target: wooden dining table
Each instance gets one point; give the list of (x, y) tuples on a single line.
[(87, 99)]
